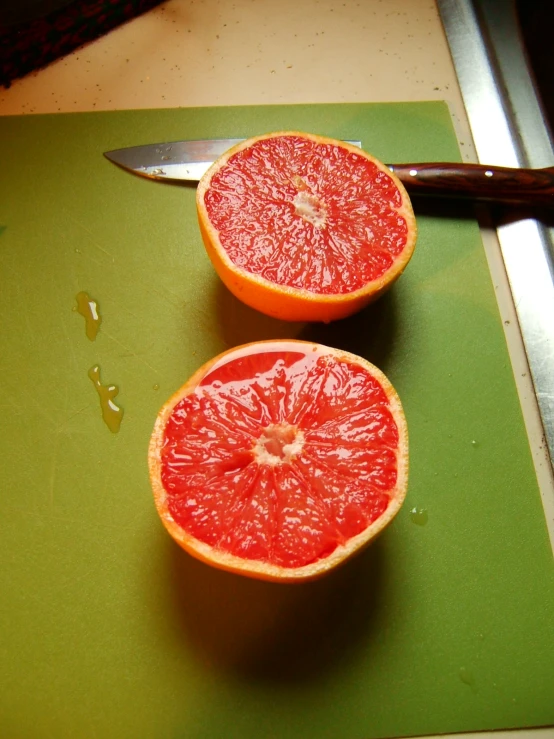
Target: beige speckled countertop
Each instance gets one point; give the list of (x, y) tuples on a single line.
[(215, 52)]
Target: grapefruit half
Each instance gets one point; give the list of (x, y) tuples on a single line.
[(280, 459), (303, 227)]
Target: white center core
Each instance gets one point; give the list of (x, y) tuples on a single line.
[(310, 208), (279, 443)]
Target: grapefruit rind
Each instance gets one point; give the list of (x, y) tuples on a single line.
[(255, 568), (281, 301)]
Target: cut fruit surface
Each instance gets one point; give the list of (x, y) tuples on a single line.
[(304, 228), (280, 459)]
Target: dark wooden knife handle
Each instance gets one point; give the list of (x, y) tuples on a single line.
[(479, 182)]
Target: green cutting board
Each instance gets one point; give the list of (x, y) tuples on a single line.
[(108, 629)]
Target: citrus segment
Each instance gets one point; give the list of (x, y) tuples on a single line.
[(303, 227), (280, 459)]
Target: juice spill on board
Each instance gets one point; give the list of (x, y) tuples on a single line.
[(466, 677), (111, 413), (88, 308), (419, 516)]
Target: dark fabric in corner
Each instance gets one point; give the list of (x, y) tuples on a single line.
[(34, 44)]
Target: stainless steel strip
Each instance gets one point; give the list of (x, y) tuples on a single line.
[(508, 130)]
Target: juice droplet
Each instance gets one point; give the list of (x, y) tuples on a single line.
[(466, 677), (155, 387), (474, 443), (419, 516), (88, 308), (111, 413)]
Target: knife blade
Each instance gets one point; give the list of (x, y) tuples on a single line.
[(177, 161), (187, 161)]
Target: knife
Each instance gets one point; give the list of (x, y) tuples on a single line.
[(187, 161)]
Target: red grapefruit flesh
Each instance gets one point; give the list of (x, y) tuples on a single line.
[(280, 459), (303, 227)]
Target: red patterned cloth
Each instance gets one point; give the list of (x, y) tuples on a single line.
[(35, 44)]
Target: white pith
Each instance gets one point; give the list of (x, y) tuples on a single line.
[(274, 435), (310, 208)]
